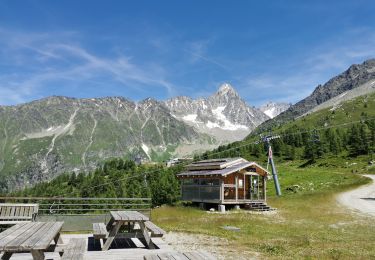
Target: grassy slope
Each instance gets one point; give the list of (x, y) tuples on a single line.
[(346, 112), (307, 224)]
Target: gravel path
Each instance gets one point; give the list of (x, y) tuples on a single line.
[(362, 199)]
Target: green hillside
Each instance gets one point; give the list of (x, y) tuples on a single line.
[(339, 136), (342, 138), (45, 138)]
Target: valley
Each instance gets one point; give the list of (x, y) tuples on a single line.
[(321, 157), (45, 138)]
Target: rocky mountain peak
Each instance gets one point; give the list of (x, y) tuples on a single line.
[(226, 94), (150, 104), (226, 89), (224, 112)]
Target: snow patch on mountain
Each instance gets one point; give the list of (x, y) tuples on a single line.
[(146, 150), (272, 109), (227, 125), (190, 118), (270, 112)]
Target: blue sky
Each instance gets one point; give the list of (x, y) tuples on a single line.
[(268, 50)]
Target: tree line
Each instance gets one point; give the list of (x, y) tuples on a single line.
[(306, 144), (116, 178)]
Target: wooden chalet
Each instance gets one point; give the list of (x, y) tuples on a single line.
[(224, 181)]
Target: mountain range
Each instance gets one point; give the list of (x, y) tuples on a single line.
[(43, 138)]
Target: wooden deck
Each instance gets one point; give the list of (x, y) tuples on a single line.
[(130, 249)]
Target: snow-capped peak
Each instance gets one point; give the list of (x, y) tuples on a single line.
[(223, 114)]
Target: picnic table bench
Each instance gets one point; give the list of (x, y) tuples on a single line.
[(33, 237), (154, 229), (130, 219), (14, 213), (99, 230)]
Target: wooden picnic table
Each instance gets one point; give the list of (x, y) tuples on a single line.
[(126, 218), (33, 237)]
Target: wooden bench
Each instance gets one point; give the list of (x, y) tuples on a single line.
[(75, 249), (11, 213), (154, 229), (99, 231), (198, 255)]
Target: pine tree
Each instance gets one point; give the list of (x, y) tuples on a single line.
[(365, 140), (359, 142), (354, 141), (333, 141)]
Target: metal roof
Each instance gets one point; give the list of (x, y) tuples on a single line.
[(235, 164), (214, 164)]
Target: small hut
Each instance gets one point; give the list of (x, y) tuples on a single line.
[(224, 181)]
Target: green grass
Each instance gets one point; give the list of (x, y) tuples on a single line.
[(308, 224)]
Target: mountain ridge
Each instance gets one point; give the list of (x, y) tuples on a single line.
[(43, 138), (355, 76)]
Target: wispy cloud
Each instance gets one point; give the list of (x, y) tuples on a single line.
[(33, 62), (44, 59)]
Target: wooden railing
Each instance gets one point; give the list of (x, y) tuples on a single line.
[(79, 213)]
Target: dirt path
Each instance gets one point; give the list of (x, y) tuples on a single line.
[(362, 199)]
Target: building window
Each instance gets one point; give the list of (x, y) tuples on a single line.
[(240, 183)]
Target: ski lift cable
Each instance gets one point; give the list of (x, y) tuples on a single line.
[(226, 150)]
